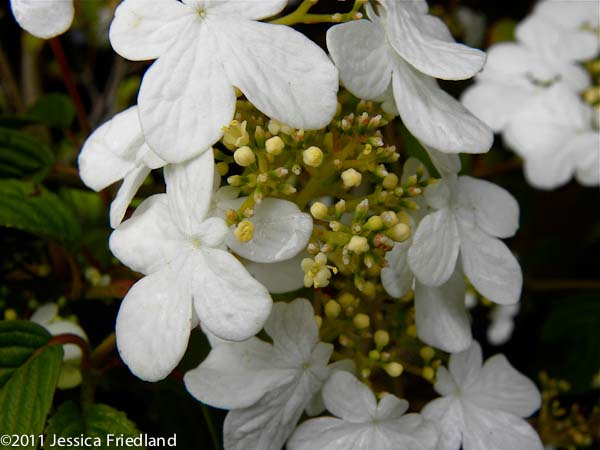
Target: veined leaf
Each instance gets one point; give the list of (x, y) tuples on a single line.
[(23, 155)]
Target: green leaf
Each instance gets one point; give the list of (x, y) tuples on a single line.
[(573, 329), (55, 110), (96, 424), (23, 155), (29, 373), (32, 208)]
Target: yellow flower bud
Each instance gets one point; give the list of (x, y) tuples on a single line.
[(332, 309), (394, 369), (274, 145), (399, 233), (374, 223), (361, 321), (374, 355), (244, 156), (244, 231), (390, 181), (427, 353), (10, 314), (346, 299), (351, 178), (358, 244), (312, 156), (428, 373), (319, 321), (319, 210), (381, 338), (222, 168)]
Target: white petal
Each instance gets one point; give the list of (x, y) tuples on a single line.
[(391, 407), (586, 151), (497, 430), (282, 72), (416, 42), (444, 382), (44, 19), (446, 164), (131, 183), (145, 30), (496, 210), (280, 277), (501, 387), (397, 278), (446, 413), (551, 170), (236, 375), (360, 52), (293, 328), (185, 98), (249, 9), (434, 117), (228, 301), (432, 256), (465, 366), (281, 231), (490, 266), (348, 398), (441, 316), (154, 323), (189, 190), (45, 314), (149, 240), (149, 158)]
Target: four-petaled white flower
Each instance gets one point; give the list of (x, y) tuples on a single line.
[(557, 137), (482, 406), (406, 48), (363, 424), (204, 49), (70, 372), (117, 150), (266, 386), (470, 216), (182, 253), (44, 19)]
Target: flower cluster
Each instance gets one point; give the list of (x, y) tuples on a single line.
[(536, 92), (278, 181)]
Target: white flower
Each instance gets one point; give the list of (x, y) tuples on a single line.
[(70, 372), (44, 19), (404, 47), (363, 424), (204, 49), (266, 386), (114, 151), (556, 136), (545, 53), (483, 406), (470, 216), (502, 324), (182, 253)]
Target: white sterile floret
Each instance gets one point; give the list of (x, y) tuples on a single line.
[(403, 47), (182, 252), (361, 422), (482, 406), (205, 48), (117, 150), (502, 323), (70, 372), (266, 386), (44, 19), (470, 216), (557, 137)]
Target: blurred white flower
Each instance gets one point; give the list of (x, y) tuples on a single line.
[(114, 151), (204, 49), (363, 423), (470, 216), (70, 372), (482, 406), (557, 137), (44, 19), (502, 323), (266, 386), (182, 253), (403, 47)]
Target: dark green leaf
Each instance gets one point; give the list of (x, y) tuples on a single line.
[(28, 377), (23, 155), (34, 209), (95, 424), (55, 110)]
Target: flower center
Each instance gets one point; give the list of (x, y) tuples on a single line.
[(196, 242), (201, 12)]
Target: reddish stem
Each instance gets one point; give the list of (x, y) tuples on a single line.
[(65, 71), (69, 338)]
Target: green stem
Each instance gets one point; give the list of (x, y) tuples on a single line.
[(211, 427), (301, 15)]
